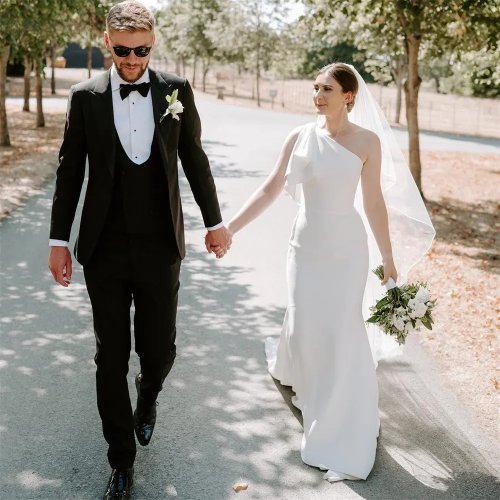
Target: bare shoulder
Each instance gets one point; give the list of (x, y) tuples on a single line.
[(292, 137), (367, 137)]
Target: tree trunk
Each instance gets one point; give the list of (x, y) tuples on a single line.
[(53, 67), (177, 65), (438, 85), (89, 59), (397, 116), (233, 80), (183, 66), (40, 120), (194, 70), (412, 86), (399, 85), (258, 78), (4, 127), (206, 67), (27, 83)]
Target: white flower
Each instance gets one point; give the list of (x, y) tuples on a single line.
[(174, 106), (412, 314), (409, 327), (419, 324), (412, 303), (399, 323), (420, 310), (400, 310), (423, 294)]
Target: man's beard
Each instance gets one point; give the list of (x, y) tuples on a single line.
[(124, 77)]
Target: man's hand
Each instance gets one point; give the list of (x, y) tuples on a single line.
[(60, 264), (218, 241)]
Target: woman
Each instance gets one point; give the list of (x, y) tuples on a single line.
[(324, 351)]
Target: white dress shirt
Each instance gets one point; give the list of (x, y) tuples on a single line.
[(134, 122)]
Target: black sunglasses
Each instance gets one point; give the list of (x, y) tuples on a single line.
[(142, 51)]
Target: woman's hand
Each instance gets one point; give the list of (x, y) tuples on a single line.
[(217, 249), (389, 270)]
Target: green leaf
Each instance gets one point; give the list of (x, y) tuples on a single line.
[(426, 323)]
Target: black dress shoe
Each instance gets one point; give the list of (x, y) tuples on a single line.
[(144, 418), (119, 484)]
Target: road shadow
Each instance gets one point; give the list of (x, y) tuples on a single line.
[(224, 169), (421, 453)]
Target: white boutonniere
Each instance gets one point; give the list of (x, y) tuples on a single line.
[(174, 106)]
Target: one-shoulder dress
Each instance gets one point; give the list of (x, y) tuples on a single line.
[(323, 351)]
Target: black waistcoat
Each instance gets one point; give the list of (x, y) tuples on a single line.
[(140, 202)]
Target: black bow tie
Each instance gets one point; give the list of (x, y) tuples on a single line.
[(142, 88)]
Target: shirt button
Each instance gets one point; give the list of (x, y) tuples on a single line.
[(135, 130), (136, 157)]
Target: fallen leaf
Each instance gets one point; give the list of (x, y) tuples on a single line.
[(240, 487)]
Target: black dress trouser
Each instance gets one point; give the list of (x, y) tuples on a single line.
[(144, 268)]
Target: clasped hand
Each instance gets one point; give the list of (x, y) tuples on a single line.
[(218, 241)]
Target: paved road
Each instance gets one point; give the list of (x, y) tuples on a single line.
[(221, 417)]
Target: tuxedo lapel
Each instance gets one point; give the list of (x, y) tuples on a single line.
[(159, 90), (102, 105)]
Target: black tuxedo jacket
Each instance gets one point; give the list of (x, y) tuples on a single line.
[(90, 130)]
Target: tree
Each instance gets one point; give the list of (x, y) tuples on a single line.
[(42, 27), (89, 22), (184, 28), (474, 74), (381, 40), (436, 69), (29, 30), (444, 25), (256, 32), (10, 27)]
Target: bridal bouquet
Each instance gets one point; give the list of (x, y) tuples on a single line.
[(403, 309)]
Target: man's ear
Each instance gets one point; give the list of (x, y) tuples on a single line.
[(106, 41)]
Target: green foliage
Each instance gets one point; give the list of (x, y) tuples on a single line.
[(324, 54), (446, 29), (184, 26), (88, 23), (31, 27), (251, 33), (476, 74)]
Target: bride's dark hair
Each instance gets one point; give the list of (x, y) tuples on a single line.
[(345, 77)]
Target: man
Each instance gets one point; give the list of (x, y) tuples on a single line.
[(131, 237)]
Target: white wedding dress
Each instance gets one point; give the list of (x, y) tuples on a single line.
[(323, 352)]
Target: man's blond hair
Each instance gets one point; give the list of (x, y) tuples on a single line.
[(130, 16)]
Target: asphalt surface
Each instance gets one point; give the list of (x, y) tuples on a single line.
[(222, 418)]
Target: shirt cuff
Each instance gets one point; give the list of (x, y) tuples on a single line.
[(218, 226), (58, 243)]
